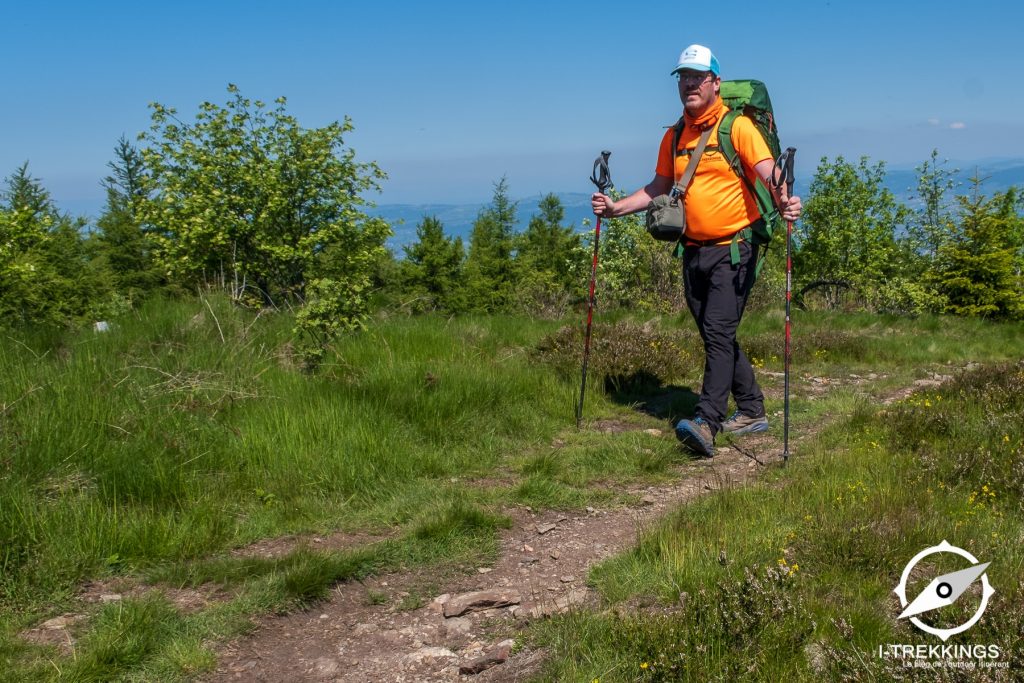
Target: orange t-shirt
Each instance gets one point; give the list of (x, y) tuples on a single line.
[(718, 203)]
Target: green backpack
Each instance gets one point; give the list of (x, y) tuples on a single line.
[(750, 99)]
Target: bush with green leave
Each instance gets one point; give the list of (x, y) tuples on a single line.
[(634, 270), (848, 229), (247, 199)]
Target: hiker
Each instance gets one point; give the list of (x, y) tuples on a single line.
[(718, 205)]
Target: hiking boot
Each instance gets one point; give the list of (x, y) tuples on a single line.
[(696, 435), (738, 423)]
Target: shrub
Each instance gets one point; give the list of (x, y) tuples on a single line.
[(624, 356)]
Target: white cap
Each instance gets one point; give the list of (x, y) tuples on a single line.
[(697, 58)]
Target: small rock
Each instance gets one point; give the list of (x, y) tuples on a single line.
[(545, 528), (457, 626), (324, 616), (362, 629), (648, 500), (499, 654), (576, 596), (484, 570), (527, 548), (326, 667), (568, 578), (558, 605), (110, 597), (62, 621), (590, 510), (555, 554), (480, 600), (653, 432)]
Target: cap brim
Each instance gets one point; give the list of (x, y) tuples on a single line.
[(689, 67)]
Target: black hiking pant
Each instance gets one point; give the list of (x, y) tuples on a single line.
[(716, 294)]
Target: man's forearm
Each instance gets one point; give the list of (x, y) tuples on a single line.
[(639, 200)]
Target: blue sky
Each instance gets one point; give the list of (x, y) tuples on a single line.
[(449, 96)]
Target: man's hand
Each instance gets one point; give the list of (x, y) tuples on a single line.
[(602, 205), (789, 207)]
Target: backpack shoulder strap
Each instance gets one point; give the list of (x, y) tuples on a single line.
[(725, 142), (757, 189)]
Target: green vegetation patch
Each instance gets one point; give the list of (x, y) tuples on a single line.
[(626, 356), (793, 578)]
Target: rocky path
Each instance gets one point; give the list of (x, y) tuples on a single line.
[(413, 626)]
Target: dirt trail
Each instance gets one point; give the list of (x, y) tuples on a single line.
[(374, 630)]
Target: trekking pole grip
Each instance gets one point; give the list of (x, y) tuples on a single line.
[(601, 176), (787, 171)]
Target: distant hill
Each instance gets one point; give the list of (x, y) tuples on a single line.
[(458, 218), (999, 174)]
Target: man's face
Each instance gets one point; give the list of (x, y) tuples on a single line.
[(697, 90)]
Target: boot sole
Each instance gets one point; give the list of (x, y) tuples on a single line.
[(694, 442)]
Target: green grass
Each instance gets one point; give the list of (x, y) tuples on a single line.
[(805, 561), (150, 451)]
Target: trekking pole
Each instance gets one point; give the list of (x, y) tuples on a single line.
[(786, 163), (603, 179)]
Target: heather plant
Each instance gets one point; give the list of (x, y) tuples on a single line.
[(624, 355)]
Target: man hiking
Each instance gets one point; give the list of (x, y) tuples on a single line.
[(718, 205)]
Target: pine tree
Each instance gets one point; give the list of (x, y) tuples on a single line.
[(546, 246), (46, 274), (544, 255), (975, 268), (491, 274), (432, 272), (122, 240)]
